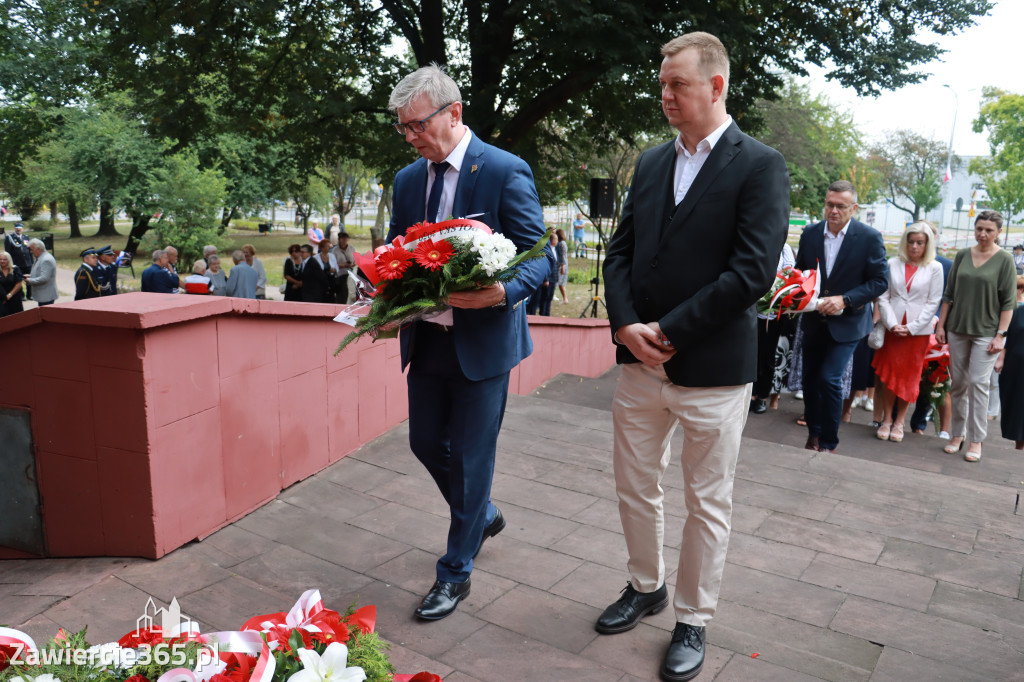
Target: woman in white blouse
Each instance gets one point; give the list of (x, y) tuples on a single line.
[(908, 310)]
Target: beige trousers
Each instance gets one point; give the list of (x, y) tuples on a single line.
[(646, 409), (970, 368)]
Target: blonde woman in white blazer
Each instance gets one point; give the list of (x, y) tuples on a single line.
[(908, 309)]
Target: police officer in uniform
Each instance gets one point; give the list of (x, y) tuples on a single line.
[(87, 284), (106, 271)]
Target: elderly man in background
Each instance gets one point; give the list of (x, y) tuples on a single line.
[(157, 279), (242, 279), (43, 277)]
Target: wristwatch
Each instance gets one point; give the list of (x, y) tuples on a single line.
[(1003, 332)]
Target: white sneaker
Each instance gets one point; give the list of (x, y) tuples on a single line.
[(944, 435), (799, 395), (857, 401), (868, 405)]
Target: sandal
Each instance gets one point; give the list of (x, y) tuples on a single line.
[(951, 449), (883, 432), (801, 421), (897, 433), (972, 456)]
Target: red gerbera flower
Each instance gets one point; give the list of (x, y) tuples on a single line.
[(433, 255), (392, 264)]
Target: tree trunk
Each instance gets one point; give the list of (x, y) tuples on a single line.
[(73, 219), (140, 225), (227, 215), (377, 231), (107, 227), (53, 212)]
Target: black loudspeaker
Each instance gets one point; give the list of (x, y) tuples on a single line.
[(602, 198)]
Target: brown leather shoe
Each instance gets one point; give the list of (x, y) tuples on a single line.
[(812, 444)]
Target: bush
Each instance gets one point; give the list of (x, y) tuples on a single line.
[(37, 225)]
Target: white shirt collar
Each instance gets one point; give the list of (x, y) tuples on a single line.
[(459, 153), (709, 142), (842, 232)]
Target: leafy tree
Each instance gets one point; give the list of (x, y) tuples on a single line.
[(911, 166), (819, 141), (46, 176), (526, 62), (190, 199), (1002, 115)]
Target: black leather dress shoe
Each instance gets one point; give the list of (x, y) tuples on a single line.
[(685, 656), (442, 600), (758, 406), (630, 608), (496, 525)]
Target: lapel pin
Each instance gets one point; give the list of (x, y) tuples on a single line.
[(472, 169)]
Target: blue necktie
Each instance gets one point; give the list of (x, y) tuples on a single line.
[(434, 200)]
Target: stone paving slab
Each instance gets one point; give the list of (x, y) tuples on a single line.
[(883, 562)]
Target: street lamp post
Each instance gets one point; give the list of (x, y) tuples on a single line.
[(947, 195)]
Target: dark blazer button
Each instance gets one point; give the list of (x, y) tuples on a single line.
[(654, 263), (825, 292)]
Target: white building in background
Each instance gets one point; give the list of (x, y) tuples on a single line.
[(957, 227)]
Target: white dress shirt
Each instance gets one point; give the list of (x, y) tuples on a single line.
[(832, 245), (451, 180), (688, 165)]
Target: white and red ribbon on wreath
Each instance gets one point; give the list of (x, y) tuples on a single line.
[(14, 643), (456, 227)]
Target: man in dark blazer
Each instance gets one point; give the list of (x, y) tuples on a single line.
[(850, 257), (315, 282), (459, 362), (703, 224)]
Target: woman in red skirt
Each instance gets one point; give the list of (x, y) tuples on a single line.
[(908, 310)]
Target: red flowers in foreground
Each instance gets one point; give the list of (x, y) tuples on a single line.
[(433, 255), (392, 263)]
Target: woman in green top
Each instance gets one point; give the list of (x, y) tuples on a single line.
[(976, 311)]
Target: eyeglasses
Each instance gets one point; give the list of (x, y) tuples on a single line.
[(839, 207), (419, 126)]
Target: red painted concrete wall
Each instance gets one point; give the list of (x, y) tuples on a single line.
[(158, 419)]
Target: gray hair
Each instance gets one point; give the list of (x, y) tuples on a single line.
[(238, 256), (199, 267), (208, 249), (158, 254), (37, 244), (431, 81), (840, 186)]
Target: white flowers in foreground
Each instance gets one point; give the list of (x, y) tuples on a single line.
[(332, 666), (493, 250), (45, 677)]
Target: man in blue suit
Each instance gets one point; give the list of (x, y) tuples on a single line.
[(851, 259), (459, 362)]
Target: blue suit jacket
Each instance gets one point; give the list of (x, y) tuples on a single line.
[(496, 188), (860, 274)]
